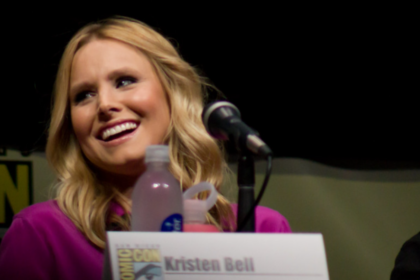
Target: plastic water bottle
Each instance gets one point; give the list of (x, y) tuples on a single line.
[(195, 210), (157, 197)]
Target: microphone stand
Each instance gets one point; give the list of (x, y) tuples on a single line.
[(246, 182)]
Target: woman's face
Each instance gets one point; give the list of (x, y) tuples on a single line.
[(118, 105)]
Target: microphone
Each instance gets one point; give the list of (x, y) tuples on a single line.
[(223, 121)]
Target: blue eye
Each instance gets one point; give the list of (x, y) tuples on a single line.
[(83, 95), (125, 81)]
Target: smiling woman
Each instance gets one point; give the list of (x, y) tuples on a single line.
[(118, 107), (120, 87)]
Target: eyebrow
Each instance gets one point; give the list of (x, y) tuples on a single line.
[(121, 72), (74, 90)]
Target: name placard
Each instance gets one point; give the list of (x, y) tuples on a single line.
[(173, 256)]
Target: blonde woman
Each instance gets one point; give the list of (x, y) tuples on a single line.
[(120, 87)]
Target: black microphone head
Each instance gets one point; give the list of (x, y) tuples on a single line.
[(214, 115)]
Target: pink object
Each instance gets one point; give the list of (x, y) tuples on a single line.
[(267, 220), (42, 243), (195, 210), (200, 228), (157, 203)]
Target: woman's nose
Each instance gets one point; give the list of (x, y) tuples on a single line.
[(108, 103)]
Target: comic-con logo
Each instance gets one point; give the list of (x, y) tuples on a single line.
[(137, 264)]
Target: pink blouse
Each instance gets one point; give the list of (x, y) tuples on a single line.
[(43, 243)]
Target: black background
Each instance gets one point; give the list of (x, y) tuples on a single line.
[(334, 84)]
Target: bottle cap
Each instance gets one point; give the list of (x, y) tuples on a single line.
[(194, 209), (157, 153)]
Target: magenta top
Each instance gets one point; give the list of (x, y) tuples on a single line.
[(43, 243)]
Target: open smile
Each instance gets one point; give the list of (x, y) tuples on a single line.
[(117, 131)]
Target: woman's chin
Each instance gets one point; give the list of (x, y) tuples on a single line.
[(133, 168)]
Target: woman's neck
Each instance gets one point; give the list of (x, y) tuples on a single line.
[(124, 183)]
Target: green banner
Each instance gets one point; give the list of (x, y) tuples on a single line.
[(15, 189)]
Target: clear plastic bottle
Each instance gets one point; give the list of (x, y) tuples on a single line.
[(157, 197), (195, 210)]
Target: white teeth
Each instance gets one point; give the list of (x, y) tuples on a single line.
[(117, 129)]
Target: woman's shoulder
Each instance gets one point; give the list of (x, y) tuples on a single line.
[(44, 243), (267, 220), (45, 218), (40, 212), (38, 208)]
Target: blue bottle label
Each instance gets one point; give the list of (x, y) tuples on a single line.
[(172, 223)]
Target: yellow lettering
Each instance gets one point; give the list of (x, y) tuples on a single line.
[(137, 256), (154, 255), (126, 267), (127, 276), (146, 255), (126, 270), (18, 196), (124, 253)]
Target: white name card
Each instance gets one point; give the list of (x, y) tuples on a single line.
[(183, 256)]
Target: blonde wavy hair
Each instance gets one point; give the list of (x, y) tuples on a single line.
[(195, 156)]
